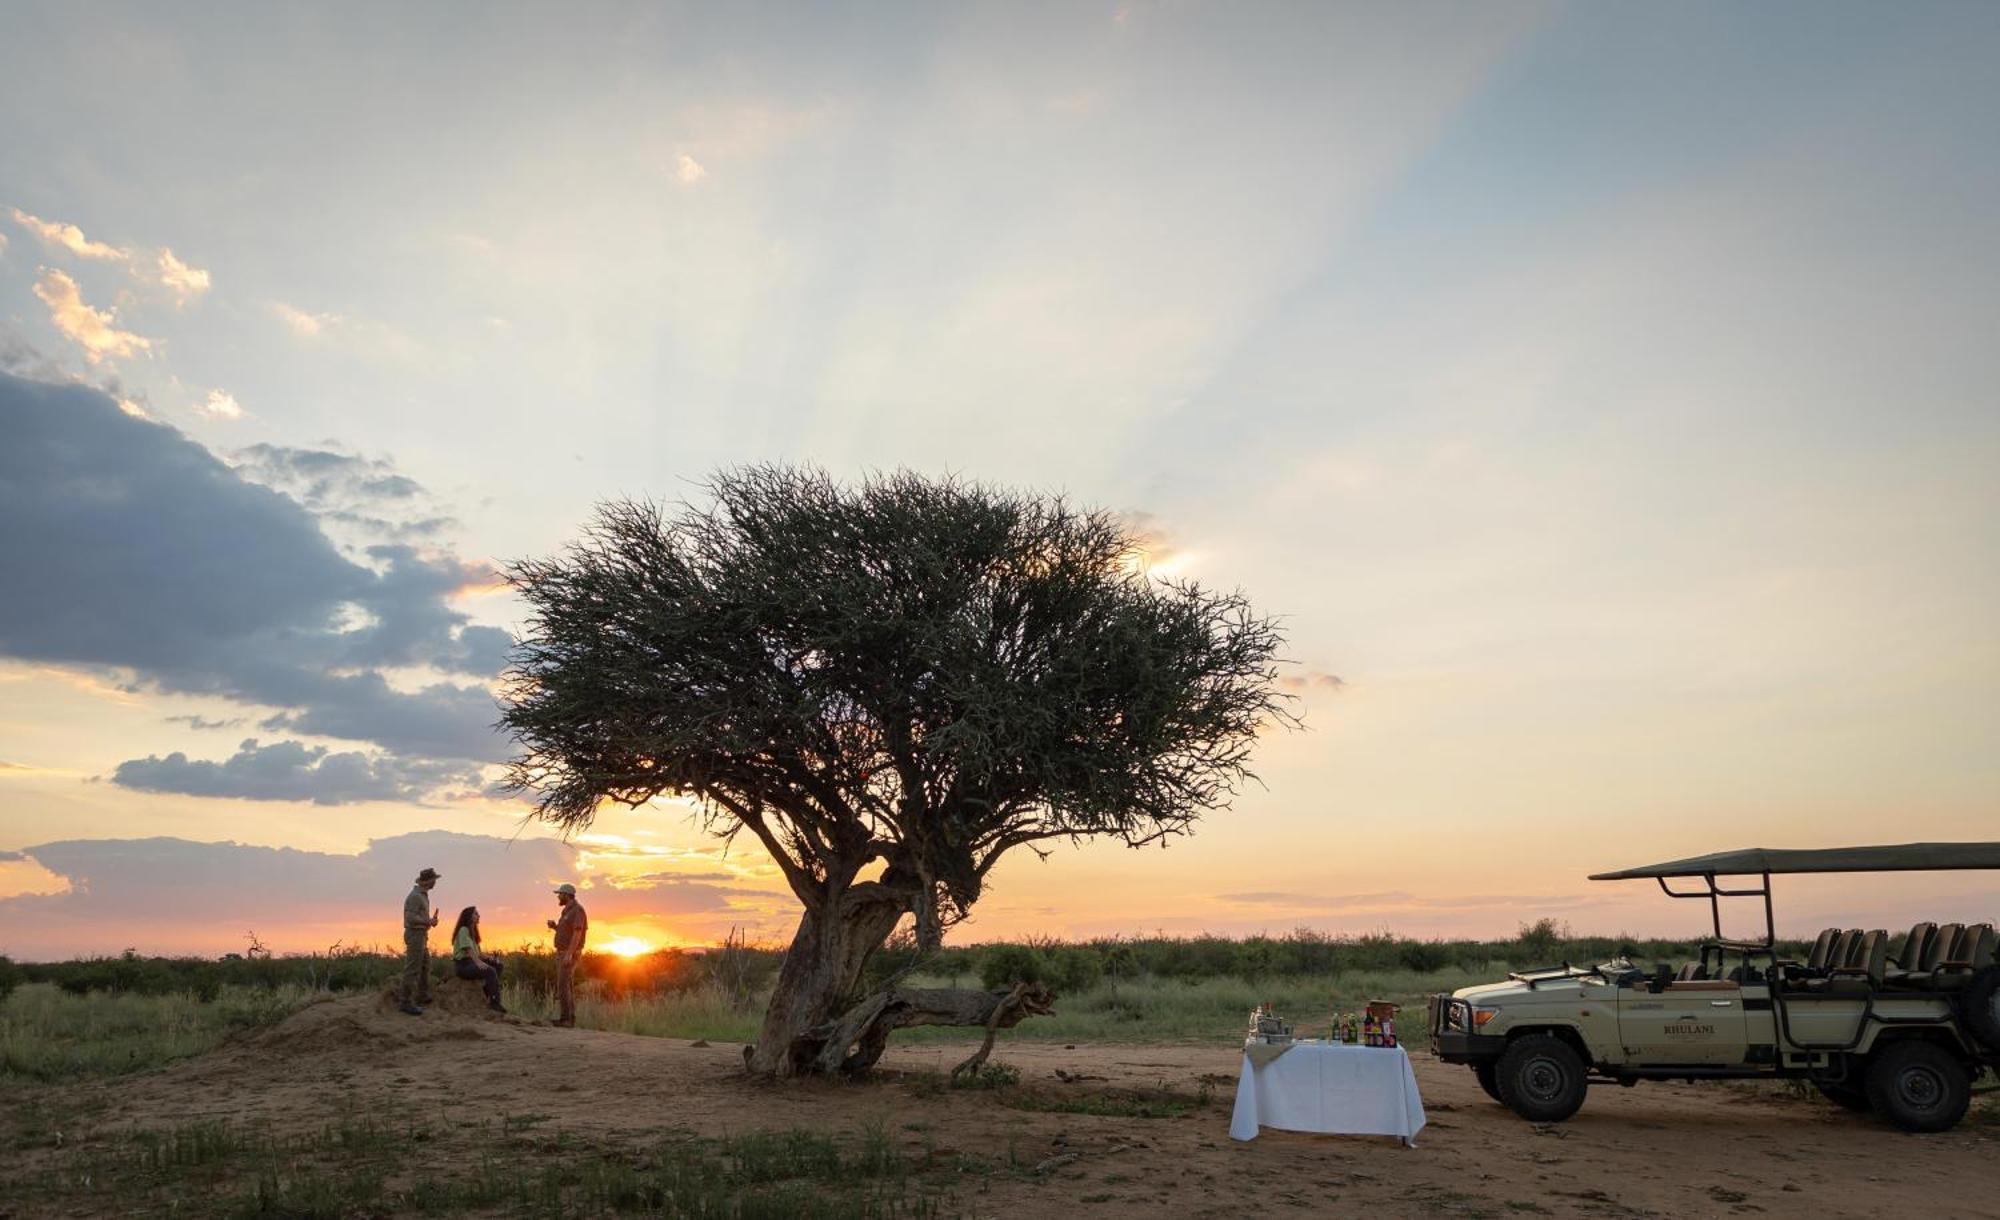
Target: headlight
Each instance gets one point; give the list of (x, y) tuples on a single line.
[(1481, 1016)]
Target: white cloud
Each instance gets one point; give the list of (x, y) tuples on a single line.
[(94, 330), (185, 282), (302, 323), (68, 237), (220, 404), (689, 170)]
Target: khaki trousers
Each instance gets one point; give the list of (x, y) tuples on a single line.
[(566, 985), (416, 966)]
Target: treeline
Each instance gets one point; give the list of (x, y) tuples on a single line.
[(741, 970)]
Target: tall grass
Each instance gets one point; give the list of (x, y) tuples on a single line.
[(49, 1034)]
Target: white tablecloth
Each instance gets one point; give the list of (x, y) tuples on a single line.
[(1333, 1088)]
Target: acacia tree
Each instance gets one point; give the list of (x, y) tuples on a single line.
[(890, 686)]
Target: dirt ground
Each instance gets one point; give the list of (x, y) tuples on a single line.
[(1657, 1150)]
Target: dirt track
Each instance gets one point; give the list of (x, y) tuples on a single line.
[(1658, 1150)]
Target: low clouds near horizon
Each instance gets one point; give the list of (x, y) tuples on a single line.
[(172, 895)]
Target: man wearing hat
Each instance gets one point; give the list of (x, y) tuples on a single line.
[(417, 924), (570, 928)]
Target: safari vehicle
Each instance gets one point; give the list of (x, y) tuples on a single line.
[(1902, 1027)]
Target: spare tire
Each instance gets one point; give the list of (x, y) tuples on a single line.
[(1979, 1008)]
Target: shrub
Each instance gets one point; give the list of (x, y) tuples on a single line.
[(1006, 965), (1423, 956), (10, 977), (1073, 970)]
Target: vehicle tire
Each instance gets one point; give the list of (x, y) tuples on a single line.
[(1541, 1078), (1488, 1079), (1846, 1095), (1979, 1008), (1919, 1086)]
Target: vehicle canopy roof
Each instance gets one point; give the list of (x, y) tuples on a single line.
[(1894, 858)]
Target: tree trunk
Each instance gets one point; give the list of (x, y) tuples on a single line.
[(820, 976), (818, 1025)]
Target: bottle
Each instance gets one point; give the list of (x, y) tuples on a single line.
[(1388, 1031)]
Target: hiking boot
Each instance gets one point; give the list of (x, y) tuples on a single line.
[(411, 1010), (496, 1006), (564, 1022)]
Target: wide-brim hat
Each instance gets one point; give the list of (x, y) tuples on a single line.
[(566, 888), (429, 874)]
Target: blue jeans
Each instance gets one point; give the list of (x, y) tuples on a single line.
[(488, 974)]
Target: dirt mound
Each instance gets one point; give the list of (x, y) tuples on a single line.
[(365, 1025)]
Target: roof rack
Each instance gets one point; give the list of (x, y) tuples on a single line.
[(1896, 858)]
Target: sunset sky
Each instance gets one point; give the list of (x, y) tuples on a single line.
[(1607, 397)]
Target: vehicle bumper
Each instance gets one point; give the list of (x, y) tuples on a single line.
[(1454, 1047)]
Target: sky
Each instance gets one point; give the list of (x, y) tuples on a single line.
[(1603, 395)]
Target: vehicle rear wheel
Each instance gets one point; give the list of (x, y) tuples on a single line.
[(1919, 1086), (1846, 1096), (1487, 1074), (1541, 1078), (1979, 1006)]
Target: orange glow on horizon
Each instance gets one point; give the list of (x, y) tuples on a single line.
[(628, 946)]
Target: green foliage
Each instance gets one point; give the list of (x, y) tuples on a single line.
[(1005, 965), (10, 977), (927, 672)]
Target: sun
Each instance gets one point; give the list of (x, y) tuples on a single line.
[(627, 946)]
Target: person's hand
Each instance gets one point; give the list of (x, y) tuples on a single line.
[(434, 919), (552, 925)]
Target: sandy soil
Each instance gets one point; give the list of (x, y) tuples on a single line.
[(1657, 1150)]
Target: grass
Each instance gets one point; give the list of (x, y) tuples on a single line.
[(358, 1165), (47, 1034), (1129, 1011)]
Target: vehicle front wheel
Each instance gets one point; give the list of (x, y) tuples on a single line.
[(1919, 1086), (1488, 1079), (1541, 1078)]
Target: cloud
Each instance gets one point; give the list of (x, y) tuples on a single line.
[(305, 325), (689, 170), (220, 404), (291, 771), (1311, 680), (185, 282), (68, 237), (174, 895), (197, 721), (364, 493), (129, 545), (94, 330)]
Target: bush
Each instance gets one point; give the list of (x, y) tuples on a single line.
[(1005, 965), (10, 977), (1423, 956), (1072, 970)]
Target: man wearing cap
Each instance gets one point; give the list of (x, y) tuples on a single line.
[(417, 924), (570, 928)]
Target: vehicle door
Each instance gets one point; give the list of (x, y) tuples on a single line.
[(1692, 1023)]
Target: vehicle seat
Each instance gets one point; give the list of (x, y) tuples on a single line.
[(1973, 949), (1915, 945), (1863, 971), (1691, 970), (1822, 949)]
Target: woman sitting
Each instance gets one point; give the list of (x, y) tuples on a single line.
[(469, 963)]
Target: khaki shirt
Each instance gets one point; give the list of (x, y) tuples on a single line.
[(571, 928), (417, 910)]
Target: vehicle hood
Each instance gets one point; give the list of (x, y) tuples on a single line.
[(1500, 995)]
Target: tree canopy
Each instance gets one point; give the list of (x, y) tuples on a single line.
[(925, 673)]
